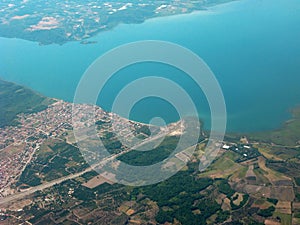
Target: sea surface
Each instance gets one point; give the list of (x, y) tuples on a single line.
[(252, 46)]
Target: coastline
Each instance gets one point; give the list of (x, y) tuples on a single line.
[(209, 9), (281, 133), (58, 66), (285, 135)]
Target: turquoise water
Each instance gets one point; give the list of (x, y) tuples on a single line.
[(252, 46)]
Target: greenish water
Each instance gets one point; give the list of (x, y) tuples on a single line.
[(252, 46)]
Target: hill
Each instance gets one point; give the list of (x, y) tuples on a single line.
[(15, 99)]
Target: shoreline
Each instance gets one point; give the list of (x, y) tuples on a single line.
[(206, 10), (269, 117), (294, 115)]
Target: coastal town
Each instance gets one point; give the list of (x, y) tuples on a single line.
[(19, 143), (233, 158), (45, 179)]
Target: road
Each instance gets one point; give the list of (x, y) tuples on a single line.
[(43, 186)]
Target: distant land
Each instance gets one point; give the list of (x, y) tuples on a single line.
[(58, 22), (45, 180)]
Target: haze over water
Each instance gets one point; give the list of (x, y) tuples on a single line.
[(252, 46)]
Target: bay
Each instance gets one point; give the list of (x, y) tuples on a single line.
[(252, 46)]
